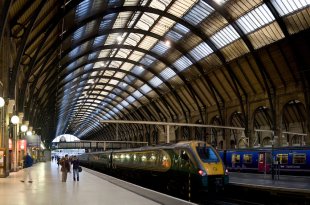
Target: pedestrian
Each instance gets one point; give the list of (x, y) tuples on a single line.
[(76, 163), (28, 162), (65, 167)]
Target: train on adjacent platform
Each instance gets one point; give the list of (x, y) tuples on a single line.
[(182, 166), (286, 160)]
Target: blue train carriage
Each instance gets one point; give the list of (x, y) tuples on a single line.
[(293, 160), (287, 160)]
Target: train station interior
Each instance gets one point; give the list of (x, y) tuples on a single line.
[(230, 77)]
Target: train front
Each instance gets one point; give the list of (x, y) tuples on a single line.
[(212, 172)]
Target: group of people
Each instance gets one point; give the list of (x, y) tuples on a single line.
[(65, 163)]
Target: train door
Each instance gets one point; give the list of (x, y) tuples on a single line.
[(264, 161)]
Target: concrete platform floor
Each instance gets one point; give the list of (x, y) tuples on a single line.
[(47, 189)]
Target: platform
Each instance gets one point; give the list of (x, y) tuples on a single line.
[(93, 188), (285, 183)]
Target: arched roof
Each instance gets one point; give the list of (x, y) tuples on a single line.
[(84, 60)]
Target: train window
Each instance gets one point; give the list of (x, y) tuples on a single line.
[(299, 158), (235, 158), (247, 158), (282, 158), (207, 154)]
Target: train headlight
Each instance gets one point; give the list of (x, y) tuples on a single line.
[(202, 173)]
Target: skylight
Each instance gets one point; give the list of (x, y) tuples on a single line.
[(155, 81), (160, 48), (124, 103), (130, 99), (285, 7), (167, 73), (255, 19), (225, 36), (82, 9), (198, 13), (201, 51), (137, 94), (182, 63), (138, 70), (145, 89)]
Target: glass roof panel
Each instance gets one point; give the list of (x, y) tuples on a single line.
[(198, 13), (106, 22), (201, 51), (225, 36), (93, 55), (160, 4), (115, 110), (147, 60), (99, 40), (137, 94), (163, 25), (77, 35), (138, 70), (146, 21), (122, 19), (132, 39), (130, 99), (155, 81), (182, 63), (113, 3), (167, 73), (119, 106), (82, 10), (255, 19), (180, 7), (160, 48), (173, 35), (145, 89), (285, 7), (148, 42), (124, 103), (131, 2)]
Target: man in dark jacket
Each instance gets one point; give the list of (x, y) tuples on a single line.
[(28, 161), (75, 162)]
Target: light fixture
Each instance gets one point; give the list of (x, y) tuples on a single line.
[(23, 128), (15, 119), (168, 43), (119, 38), (29, 133), (2, 102)]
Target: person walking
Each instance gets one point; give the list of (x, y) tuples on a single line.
[(65, 167), (76, 163), (28, 162)]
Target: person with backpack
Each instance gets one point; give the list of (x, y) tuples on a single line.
[(65, 167), (28, 162)]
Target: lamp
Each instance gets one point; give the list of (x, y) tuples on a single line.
[(2, 102), (15, 119), (23, 128), (29, 133)]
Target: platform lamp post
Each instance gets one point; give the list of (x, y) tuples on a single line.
[(2, 103), (15, 121)]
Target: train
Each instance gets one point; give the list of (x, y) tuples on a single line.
[(188, 165), (286, 160)]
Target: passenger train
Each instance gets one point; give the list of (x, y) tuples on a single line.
[(287, 160), (193, 164)]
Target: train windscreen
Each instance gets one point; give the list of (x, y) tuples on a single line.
[(207, 154)]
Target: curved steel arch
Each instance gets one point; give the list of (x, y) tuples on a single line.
[(122, 80)]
